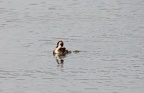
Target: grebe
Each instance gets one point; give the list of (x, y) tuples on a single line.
[(60, 50)]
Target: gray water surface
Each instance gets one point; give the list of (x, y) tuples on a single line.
[(109, 34)]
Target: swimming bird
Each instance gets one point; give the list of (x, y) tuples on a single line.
[(60, 50)]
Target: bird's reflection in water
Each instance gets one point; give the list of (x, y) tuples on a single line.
[(59, 59)]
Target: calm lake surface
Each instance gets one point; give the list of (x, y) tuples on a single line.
[(109, 34)]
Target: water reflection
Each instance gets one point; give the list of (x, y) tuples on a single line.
[(59, 58)]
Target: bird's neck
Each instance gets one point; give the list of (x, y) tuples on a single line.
[(58, 47)]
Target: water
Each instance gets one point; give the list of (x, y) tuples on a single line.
[(109, 34)]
